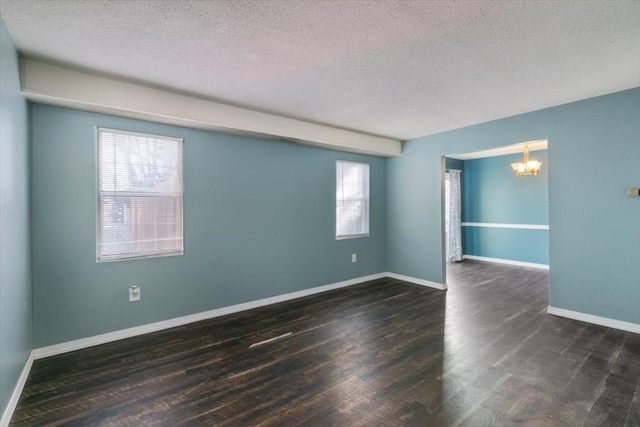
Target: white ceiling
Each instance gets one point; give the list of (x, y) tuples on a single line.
[(399, 69)]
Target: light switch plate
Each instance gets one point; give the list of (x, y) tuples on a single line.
[(633, 192)]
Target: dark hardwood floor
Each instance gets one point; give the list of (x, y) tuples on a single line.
[(383, 353)]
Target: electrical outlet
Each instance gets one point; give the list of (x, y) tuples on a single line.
[(134, 293), (354, 257)]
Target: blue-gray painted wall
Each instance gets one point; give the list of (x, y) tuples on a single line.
[(493, 194), (15, 251), (259, 221), (259, 218), (594, 239), (510, 244), (450, 163)]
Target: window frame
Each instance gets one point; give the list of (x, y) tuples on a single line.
[(367, 201), (136, 255)]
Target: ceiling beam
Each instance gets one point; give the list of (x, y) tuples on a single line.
[(55, 85)]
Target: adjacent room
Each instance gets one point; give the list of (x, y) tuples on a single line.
[(319, 213), (495, 213)]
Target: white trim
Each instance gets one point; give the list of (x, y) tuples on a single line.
[(55, 85), (101, 129), (422, 282), (507, 261), (65, 347), (352, 236), (110, 136), (540, 144), (505, 225), (68, 346), (17, 391), (596, 320)]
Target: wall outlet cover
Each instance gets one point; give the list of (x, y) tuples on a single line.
[(134, 293)]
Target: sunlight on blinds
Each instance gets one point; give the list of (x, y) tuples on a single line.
[(140, 195), (352, 199)]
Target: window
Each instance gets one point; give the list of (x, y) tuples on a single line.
[(139, 195), (352, 200)]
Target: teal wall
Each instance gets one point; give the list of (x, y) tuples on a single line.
[(450, 163), (259, 222), (260, 218), (594, 240), (15, 258), (493, 194), (512, 244)]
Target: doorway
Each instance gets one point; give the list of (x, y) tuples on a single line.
[(503, 218)]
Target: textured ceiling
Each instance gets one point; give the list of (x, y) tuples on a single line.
[(400, 69)]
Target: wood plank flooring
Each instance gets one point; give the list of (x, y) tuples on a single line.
[(383, 353)]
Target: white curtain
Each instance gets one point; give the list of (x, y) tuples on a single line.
[(453, 211)]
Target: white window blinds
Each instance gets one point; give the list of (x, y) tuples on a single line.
[(352, 199), (140, 194)]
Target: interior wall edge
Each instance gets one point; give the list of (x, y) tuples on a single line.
[(417, 281), (17, 391), (583, 224), (596, 320)]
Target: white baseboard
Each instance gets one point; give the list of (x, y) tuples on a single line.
[(79, 344), (68, 346), (506, 261), (17, 391), (440, 286), (597, 320), (501, 225)]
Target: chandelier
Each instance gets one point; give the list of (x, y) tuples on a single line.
[(527, 167)]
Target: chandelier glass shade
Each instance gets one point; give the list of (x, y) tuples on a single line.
[(526, 167)]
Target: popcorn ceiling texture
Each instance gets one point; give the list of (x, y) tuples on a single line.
[(399, 69)]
